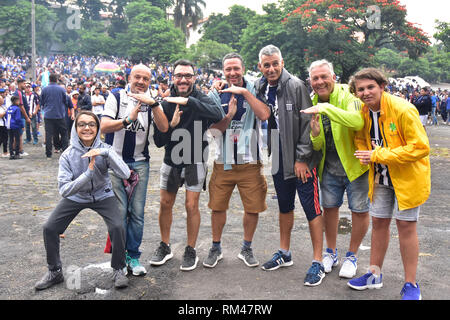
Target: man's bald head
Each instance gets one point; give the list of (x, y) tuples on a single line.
[(141, 67), (140, 78)]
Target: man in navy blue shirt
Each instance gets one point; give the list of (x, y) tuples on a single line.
[(53, 101), (238, 158)]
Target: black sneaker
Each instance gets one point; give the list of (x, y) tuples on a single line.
[(246, 255), (120, 279), (51, 278), (161, 255), (190, 259), (214, 256)]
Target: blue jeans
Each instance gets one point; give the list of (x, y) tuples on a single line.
[(31, 129), (433, 116), (332, 190), (133, 211)]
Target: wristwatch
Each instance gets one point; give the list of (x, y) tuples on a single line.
[(125, 122), (154, 105)]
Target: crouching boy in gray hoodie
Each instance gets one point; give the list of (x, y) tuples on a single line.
[(84, 183)]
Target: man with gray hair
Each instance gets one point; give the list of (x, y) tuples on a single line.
[(293, 159), (336, 117)]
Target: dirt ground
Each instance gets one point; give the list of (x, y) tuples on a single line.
[(29, 194)]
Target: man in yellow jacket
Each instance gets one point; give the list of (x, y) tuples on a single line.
[(395, 145)]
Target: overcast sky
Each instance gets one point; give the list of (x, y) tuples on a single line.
[(423, 12)]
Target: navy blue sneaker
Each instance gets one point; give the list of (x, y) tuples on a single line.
[(314, 275), (411, 292), (278, 260), (367, 281)]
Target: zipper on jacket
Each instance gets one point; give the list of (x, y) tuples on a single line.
[(382, 132), (92, 182)]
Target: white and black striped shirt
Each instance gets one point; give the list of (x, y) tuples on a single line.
[(381, 171)]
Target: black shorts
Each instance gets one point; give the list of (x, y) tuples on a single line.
[(308, 193)]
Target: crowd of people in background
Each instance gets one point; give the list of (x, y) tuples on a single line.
[(85, 89), (429, 102)]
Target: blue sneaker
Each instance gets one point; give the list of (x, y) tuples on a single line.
[(367, 281), (411, 292), (314, 275), (278, 260), (330, 260)]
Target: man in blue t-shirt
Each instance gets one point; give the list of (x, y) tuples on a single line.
[(237, 161), (434, 100)]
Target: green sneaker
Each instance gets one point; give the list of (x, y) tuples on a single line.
[(135, 266)]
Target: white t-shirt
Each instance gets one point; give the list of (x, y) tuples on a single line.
[(132, 142), (3, 109), (98, 109)]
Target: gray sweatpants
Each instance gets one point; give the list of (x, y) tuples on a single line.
[(66, 211)]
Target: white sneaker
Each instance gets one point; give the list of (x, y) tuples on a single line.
[(329, 260), (349, 266)]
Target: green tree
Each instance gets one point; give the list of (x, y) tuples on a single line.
[(207, 53), (348, 33), (162, 4), (16, 21), (228, 28), (92, 40), (90, 9), (188, 11), (341, 31), (263, 30), (443, 33), (149, 34), (389, 59)]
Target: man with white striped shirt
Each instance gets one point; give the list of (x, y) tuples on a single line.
[(126, 120)]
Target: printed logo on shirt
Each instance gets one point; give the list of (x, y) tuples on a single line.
[(135, 127)]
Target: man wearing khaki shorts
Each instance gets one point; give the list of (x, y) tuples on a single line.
[(238, 157)]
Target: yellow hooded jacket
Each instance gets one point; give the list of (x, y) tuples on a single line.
[(405, 150)]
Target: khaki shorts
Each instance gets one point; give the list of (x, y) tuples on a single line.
[(251, 184)]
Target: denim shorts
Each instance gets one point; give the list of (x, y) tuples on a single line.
[(332, 192), (385, 205)]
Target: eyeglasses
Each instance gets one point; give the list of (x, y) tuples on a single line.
[(180, 76), (84, 124)]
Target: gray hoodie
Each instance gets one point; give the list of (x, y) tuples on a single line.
[(80, 184)]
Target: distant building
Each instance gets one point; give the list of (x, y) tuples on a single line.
[(195, 35)]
